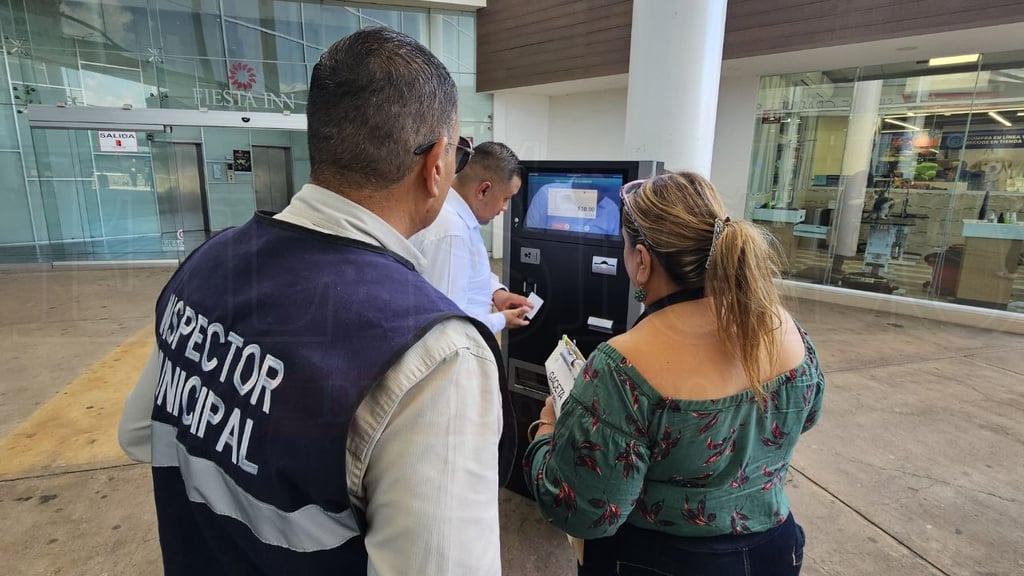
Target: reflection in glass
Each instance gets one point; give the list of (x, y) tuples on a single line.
[(14, 227), (473, 106), (192, 29), (114, 86), (325, 24), (8, 130), (253, 55), (127, 195), (263, 30), (116, 25), (376, 17), (45, 76), (416, 24), (943, 154), (797, 165), (65, 154)]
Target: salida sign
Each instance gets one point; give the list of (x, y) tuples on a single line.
[(242, 78), (115, 141)]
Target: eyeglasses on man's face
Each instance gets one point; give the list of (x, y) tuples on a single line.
[(624, 193), (463, 151)]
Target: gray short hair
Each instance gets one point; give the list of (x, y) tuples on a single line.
[(374, 97)]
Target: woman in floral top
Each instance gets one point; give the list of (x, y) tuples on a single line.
[(670, 455)]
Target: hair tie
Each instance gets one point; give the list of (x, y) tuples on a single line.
[(720, 224)]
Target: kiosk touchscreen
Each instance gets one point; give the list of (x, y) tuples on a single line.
[(574, 203), (563, 243)]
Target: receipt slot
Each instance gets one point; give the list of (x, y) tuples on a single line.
[(563, 241)]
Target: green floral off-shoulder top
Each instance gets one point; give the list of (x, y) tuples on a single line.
[(621, 452)]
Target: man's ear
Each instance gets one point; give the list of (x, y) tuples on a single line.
[(433, 169), (482, 188)]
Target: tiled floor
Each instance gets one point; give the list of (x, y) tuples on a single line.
[(914, 468)]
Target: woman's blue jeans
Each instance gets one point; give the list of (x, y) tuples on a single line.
[(634, 551)]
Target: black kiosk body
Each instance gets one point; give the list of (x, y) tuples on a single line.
[(563, 241)]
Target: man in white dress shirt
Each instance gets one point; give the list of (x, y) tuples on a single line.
[(457, 261)]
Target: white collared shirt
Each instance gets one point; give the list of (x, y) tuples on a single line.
[(422, 450), (457, 262)]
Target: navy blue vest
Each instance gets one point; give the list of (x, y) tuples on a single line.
[(270, 335)]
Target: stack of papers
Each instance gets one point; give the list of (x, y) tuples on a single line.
[(563, 366)]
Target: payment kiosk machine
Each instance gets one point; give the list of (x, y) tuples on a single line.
[(563, 243)]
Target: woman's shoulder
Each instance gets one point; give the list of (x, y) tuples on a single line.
[(794, 347), (796, 340), (605, 360)]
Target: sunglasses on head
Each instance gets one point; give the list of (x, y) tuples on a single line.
[(463, 152), (624, 193)]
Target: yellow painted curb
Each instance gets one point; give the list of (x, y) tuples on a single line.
[(78, 428)]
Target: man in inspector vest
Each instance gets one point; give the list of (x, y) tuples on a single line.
[(309, 388)]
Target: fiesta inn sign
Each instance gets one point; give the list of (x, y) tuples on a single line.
[(242, 78)]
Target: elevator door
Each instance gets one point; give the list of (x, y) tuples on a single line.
[(181, 196), (272, 177)]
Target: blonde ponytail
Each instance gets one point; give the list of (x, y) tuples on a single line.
[(740, 282), (684, 222)]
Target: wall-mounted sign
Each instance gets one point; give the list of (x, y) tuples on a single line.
[(984, 139), (808, 103), (243, 161), (243, 78), (115, 141)]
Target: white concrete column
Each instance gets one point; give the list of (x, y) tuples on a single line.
[(521, 122), (734, 141), (675, 60), (860, 138)]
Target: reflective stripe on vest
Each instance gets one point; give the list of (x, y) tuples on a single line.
[(307, 529)]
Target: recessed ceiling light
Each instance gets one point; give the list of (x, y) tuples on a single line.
[(904, 124), (950, 60), (999, 118)]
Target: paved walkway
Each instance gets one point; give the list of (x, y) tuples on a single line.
[(915, 469)]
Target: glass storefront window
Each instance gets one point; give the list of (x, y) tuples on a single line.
[(264, 30), (458, 42), (128, 205), (77, 201), (8, 130), (323, 22), (116, 25), (192, 29), (45, 76), (902, 179), (113, 86), (796, 161), (473, 106), (14, 228)]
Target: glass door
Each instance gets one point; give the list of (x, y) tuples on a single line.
[(181, 196)]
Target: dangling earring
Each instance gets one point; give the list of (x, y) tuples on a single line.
[(640, 295)]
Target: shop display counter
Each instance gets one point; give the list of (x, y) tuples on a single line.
[(991, 257), (780, 223)]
